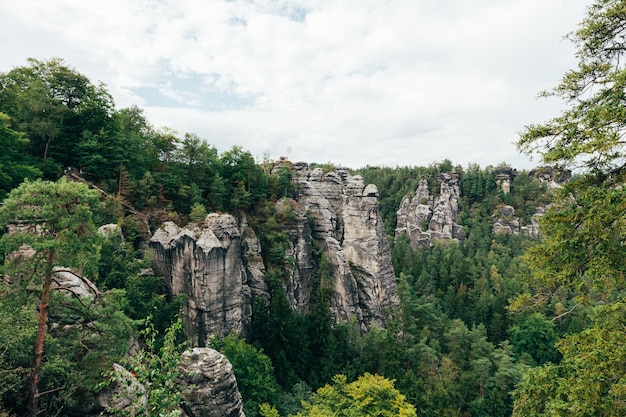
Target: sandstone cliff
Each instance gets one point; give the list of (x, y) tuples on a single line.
[(212, 385), (348, 226), (218, 264), (426, 217)]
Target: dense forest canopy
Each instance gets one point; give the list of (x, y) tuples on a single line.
[(494, 324)]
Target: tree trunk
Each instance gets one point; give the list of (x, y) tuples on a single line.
[(42, 325), (45, 152)]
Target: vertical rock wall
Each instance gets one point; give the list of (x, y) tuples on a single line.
[(206, 263), (348, 226), (426, 218), (218, 264)]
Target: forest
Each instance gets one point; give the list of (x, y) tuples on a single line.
[(493, 324)]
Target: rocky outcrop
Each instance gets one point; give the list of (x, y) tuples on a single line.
[(218, 264), (125, 393), (553, 177), (219, 269), (426, 218), (211, 385), (73, 284), (504, 177), (207, 384), (348, 227), (505, 221)]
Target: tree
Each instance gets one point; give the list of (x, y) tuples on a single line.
[(370, 395), (589, 381), (580, 255), (253, 369), (583, 232), (14, 165), (157, 370), (536, 337), (53, 220), (589, 133), (53, 103)]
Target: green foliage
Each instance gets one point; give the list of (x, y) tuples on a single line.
[(253, 369), (580, 259), (198, 212), (14, 162), (54, 221), (55, 217), (589, 131), (53, 104), (17, 332), (535, 336), (369, 395), (589, 380), (157, 371)]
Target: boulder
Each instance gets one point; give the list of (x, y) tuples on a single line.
[(212, 386)]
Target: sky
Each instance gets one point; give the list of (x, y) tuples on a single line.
[(349, 82)]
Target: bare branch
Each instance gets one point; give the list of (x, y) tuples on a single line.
[(566, 313)]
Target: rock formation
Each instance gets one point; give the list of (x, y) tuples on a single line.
[(426, 218), (206, 263), (126, 394), (506, 222), (218, 264), (207, 382), (504, 177), (348, 227), (552, 176), (213, 388)]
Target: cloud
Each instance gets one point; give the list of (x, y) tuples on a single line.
[(354, 82)]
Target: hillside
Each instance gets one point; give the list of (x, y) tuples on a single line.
[(425, 282)]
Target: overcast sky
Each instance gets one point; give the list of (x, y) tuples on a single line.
[(352, 82)]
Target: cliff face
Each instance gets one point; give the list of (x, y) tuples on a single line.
[(426, 218), (348, 227), (506, 222), (218, 264)]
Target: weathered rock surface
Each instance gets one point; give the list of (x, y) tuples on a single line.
[(427, 218), (551, 176), (73, 284), (348, 227), (213, 388), (504, 177), (125, 394), (206, 262), (506, 222)]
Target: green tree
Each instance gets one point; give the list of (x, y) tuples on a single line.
[(156, 370), (370, 395), (14, 164), (254, 372), (54, 220), (54, 104), (580, 255), (590, 380), (536, 337)]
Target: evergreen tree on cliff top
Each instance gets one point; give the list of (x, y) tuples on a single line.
[(581, 254), (53, 221)]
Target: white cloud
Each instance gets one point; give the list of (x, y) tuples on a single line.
[(355, 82)]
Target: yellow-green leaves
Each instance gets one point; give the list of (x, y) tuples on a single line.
[(370, 395)]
